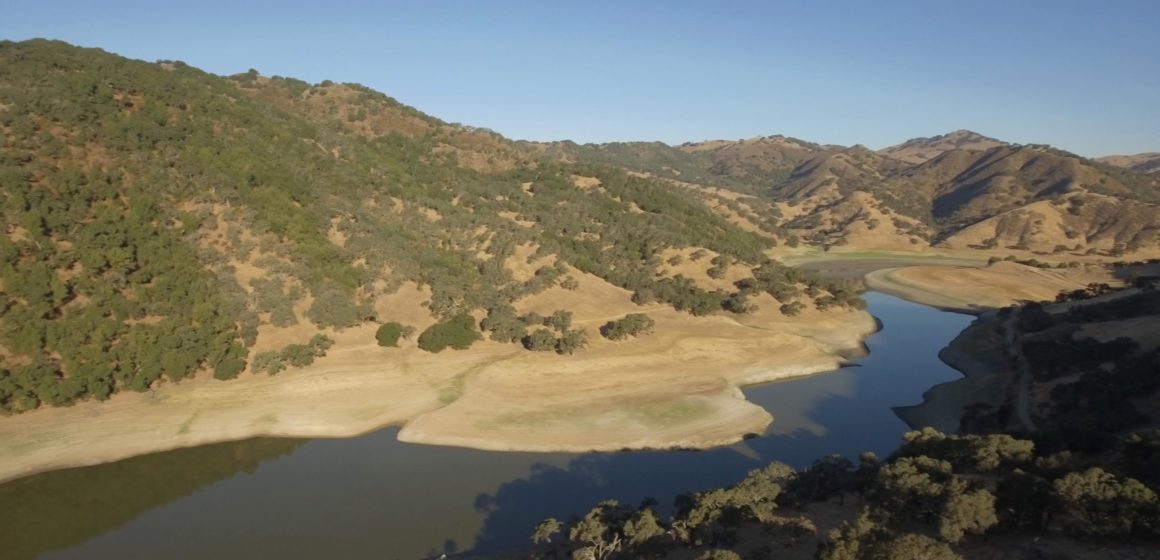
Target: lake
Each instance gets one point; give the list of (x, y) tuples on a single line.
[(375, 497)]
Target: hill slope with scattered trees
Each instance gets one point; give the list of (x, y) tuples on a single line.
[(158, 219), (960, 190)]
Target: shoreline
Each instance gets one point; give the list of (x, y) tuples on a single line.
[(985, 375), (887, 281), (979, 352), (677, 388)]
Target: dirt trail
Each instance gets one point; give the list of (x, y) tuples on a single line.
[(1015, 352)]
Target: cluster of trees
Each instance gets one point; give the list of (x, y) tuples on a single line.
[(98, 295), (1094, 384), (631, 325), (458, 332), (935, 493), (293, 355), (533, 331), (556, 335), (1092, 290), (389, 333)]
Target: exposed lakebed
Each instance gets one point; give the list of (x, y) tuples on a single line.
[(373, 496)]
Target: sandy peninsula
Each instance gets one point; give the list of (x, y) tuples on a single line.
[(973, 289), (678, 387)]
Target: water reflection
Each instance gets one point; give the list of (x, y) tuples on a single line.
[(373, 496), (64, 508)]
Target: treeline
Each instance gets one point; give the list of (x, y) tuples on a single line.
[(934, 495), (1095, 385)]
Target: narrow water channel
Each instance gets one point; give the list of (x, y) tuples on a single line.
[(375, 497)]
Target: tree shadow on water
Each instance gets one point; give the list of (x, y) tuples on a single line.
[(846, 412), (515, 508)]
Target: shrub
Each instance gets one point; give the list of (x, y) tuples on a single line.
[(633, 324), (791, 309), (571, 341), (541, 340), (560, 320), (503, 324), (389, 333), (457, 332)]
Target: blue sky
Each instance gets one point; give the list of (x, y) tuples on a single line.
[(1083, 76)]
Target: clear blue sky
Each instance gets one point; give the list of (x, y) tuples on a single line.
[(1083, 76)]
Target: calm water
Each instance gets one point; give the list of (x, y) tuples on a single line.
[(373, 496)]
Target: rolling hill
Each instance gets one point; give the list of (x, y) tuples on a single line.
[(163, 223), (921, 150), (958, 191), (1140, 163)]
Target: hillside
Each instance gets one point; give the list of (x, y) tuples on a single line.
[(749, 166), (1007, 198), (922, 150), (164, 223), (1140, 163), (958, 191)]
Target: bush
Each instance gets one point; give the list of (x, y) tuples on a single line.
[(532, 319), (541, 340), (791, 309), (571, 341), (229, 368), (560, 320), (457, 332), (503, 324), (389, 334), (633, 324), (269, 362)]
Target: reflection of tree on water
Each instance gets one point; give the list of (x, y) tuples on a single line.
[(59, 509)]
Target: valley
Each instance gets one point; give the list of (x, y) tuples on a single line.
[(190, 261)]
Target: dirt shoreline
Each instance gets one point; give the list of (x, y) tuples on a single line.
[(979, 351), (679, 387)]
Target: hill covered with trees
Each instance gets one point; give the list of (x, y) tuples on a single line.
[(158, 219)]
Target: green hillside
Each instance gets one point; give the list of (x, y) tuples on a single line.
[(158, 216)]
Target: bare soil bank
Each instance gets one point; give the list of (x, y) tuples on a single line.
[(675, 388)]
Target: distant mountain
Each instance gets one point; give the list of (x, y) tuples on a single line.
[(1031, 198), (1140, 163), (958, 190), (749, 165), (921, 150)]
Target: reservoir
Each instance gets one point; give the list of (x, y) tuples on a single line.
[(375, 497)]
